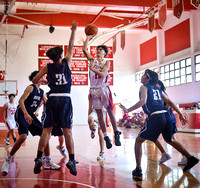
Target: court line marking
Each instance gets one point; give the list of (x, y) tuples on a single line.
[(41, 179)]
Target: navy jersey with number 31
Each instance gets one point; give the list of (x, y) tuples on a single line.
[(59, 77)]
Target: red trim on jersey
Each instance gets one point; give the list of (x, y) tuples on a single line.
[(110, 106)]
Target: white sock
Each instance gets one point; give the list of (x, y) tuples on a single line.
[(105, 134)]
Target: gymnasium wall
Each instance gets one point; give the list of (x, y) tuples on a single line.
[(188, 47), (23, 59)]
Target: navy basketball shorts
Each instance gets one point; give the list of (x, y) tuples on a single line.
[(155, 125), (23, 127), (59, 112)]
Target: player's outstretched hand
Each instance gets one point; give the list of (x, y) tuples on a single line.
[(183, 119), (74, 25), (123, 108)]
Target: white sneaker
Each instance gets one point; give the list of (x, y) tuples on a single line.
[(7, 141), (183, 161), (51, 165), (165, 157), (62, 151), (5, 167), (101, 156)]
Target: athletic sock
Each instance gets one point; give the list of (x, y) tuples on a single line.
[(14, 139), (71, 156), (48, 158), (39, 154), (105, 134)]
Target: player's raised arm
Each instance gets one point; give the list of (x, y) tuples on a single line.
[(85, 50), (68, 56), (40, 74)]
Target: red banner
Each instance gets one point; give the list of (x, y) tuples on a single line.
[(123, 39), (42, 48), (77, 51), (2, 75), (177, 6), (111, 65), (93, 50), (43, 62), (79, 65), (162, 12), (195, 3), (79, 79), (110, 79), (151, 20)]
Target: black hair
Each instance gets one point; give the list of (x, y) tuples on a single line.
[(10, 95), (54, 53), (162, 86), (104, 47), (33, 74), (152, 75)]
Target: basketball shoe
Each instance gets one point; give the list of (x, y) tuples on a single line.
[(62, 151), (183, 161), (38, 165), (101, 156), (108, 142), (137, 172), (49, 164), (165, 157), (5, 167), (7, 141), (117, 138), (191, 161), (71, 165)]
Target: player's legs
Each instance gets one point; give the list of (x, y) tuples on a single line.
[(103, 127), (61, 141), (138, 155), (191, 160), (44, 139), (165, 156), (14, 149), (71, 165), (114, 125), (92, 124), (101, 144)]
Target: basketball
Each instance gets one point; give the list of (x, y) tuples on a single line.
[(91, 29)]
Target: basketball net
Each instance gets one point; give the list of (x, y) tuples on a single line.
[(5, 93)]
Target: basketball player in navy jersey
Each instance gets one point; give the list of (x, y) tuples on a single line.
[(100, 91), (59, 106), (27, 121), (159, 120)]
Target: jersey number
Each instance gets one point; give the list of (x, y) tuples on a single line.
[(61, 80), (156, 95)]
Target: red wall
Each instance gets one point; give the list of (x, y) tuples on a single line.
[(177, 38), (148, 51)]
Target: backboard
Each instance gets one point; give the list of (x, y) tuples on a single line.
[(7, 87)]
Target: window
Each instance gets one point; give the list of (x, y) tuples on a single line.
[(138, 79), (197, 67), (177, 73)]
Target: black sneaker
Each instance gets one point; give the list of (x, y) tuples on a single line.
[(108, 142), (137, 172), (191, 161), (71, 165), (117, 138), (38, 165)]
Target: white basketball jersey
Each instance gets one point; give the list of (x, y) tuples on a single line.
[(11, 110), (95, 79)]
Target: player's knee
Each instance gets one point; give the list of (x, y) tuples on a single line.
[(139, 140)]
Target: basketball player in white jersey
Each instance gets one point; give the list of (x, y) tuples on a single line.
[(94, 125), (99, 90), (8, 113)]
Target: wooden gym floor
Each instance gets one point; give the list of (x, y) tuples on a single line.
[(114, 172)]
